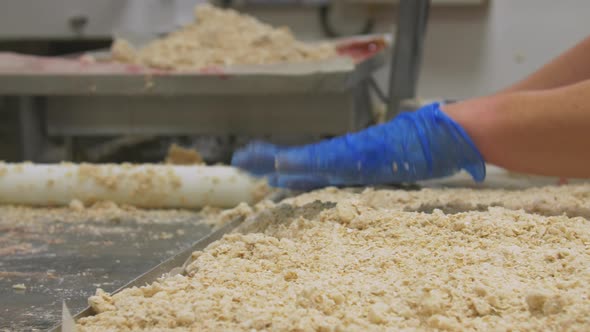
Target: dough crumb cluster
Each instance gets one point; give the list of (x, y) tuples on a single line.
[(178, 155), (370, 264), (219, 38), (571, 200)]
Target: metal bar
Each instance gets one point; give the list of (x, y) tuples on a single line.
[(286, 114), (31, 129), (378, 91), (407, 54), (362, 116)]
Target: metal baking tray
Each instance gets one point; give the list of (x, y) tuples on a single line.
[(79, 97), (47, 76)]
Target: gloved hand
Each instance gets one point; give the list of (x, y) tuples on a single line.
[(413, 146)]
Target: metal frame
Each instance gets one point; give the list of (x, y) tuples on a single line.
[(407, 55), (31, 123), (304, 100), (274, 115)]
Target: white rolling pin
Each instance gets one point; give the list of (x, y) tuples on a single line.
[(145, 185)]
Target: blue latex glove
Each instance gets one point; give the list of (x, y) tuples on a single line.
[(414, 146)]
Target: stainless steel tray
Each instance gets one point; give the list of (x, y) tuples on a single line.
[(303, 100), (44, 76)]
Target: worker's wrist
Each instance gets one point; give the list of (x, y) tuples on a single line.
[(481, 119)]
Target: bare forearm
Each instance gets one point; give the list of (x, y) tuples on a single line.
[(571, 67), (540, 132)]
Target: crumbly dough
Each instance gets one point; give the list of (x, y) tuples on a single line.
[(178, 155), (100, 212), (370, 264), (20, 287), (221, 37), (572, 200), (76, 205)]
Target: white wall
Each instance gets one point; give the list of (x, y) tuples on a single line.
[(34, 19), (472, 51), (467, 56)]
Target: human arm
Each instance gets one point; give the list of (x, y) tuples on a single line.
[(540, 125), (543, 132), (570, 67), (413, 146)]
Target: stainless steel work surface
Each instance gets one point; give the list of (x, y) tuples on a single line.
[(64, 260), (67, 260)]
